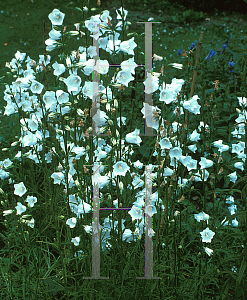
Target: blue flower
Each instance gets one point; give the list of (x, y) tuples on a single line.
[(211, 54), (56, 17), (179, 52), (192, 46), (120, 168), (207, 235), (225, 45), (231, 64)]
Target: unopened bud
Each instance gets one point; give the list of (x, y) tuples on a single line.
[(14, 144), (115, 103), (108, 106), (120, 185)]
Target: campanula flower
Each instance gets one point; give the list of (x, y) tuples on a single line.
[(56, 17), (232, 208), (51, 44), (201, 216), (225, 44), (192, 148), (168, 172), (208, 251), (102, 67), (20, 56), (58, 177), (36, 87), (120, 168), (76, 240), (124, 77), (192, 46), (168, 95), (175, 152), (136, 213), (207, 235), (129, 65), (123, 13), (20, 189), (224, 47), (194, 136), (179, 52), (58, 69), (231, 64), (128, 46), (239, 165), (71, 222), (151, 83), (31, 200), (55, 34), (133, 137), (218, 144), (242, 101), (233, 176), (20, 208), (31, 223), (189, 163), (73, 83), (165, 143), (211, 54), (205, 163), (29, 139), (192, 105)]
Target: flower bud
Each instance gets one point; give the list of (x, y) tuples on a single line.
[(66, 127), (115, 103), (15, 143), (80, 112), (108, 106), (120, 185)]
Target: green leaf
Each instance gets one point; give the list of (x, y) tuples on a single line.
[(53, 285), (241, 273), (78, 8), (144, 150)]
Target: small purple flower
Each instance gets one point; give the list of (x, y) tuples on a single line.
[(179, 52), (231, 64), (225, 45), (211, 54), (192, 46)]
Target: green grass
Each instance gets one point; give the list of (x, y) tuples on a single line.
[(40, 263)]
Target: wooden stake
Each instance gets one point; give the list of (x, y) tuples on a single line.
[(196, 64)]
